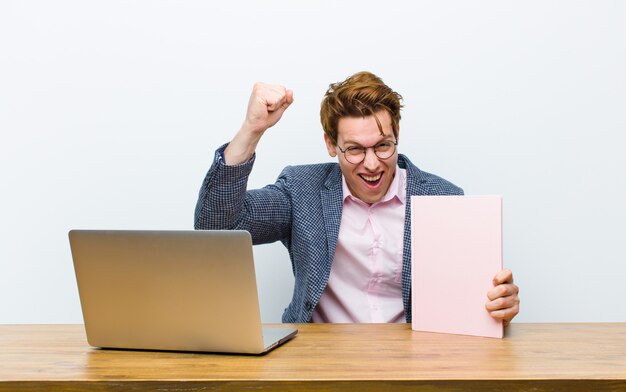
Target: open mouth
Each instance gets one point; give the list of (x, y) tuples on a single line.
[(371, 180)]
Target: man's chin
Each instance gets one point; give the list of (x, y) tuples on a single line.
[(368, 194)]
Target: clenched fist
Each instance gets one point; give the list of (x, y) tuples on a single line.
[(266, 106)]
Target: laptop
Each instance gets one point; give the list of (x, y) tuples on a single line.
[(171, 290)]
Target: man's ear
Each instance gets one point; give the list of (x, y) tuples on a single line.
[(330, 146)]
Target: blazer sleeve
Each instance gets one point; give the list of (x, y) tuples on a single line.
[(224, 203)]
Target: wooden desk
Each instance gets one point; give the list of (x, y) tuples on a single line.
[(538, 357)]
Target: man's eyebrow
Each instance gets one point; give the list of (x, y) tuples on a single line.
[(355, 144)]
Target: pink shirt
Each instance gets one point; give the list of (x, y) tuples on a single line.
[(365, 284)]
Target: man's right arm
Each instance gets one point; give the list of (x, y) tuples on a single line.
[(223, 202)]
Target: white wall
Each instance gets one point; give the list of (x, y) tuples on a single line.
[(110, 112)]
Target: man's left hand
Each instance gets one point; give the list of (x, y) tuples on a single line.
[(503, 301)]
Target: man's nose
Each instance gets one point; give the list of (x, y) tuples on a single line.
[(371, 160)]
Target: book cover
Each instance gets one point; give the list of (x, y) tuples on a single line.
[(456, 246)]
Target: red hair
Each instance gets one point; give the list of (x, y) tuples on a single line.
[(361, 95)]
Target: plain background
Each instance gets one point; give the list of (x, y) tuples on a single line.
[(110, 112)]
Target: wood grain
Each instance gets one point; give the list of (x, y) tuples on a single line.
[(543, 357)]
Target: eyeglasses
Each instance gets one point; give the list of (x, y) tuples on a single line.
[(382, 150)]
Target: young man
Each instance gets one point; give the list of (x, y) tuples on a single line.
[(347, 225)]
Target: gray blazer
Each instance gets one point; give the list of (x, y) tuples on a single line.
[(303, 211)]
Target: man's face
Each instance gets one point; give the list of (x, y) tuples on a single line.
[(370, 179)]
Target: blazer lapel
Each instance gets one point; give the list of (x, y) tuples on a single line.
[(320, 263), (332, 196), (414, 181)]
